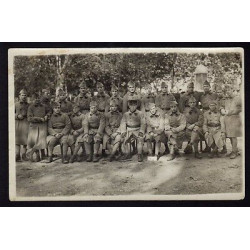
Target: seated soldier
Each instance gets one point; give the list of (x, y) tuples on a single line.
[(76, 134), (175, 124), (155, 128), (214, 129), (94, 124), (112, 132), (58, 127), (133, 128), (194, 119)]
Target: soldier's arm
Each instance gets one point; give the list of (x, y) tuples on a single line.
[(107, 126), (102, 125), (81, 130), (31, 117), (51, 131), (182, 124), (237, 109), (67, 127), (222, 123)]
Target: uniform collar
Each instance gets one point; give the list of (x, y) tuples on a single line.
[(77, 114), (57, 115), (193, 110), (100, 95), (63, 101), (172, 114), (135, 112), (82, 95), (213, 112), (156, 114), (165, 93)]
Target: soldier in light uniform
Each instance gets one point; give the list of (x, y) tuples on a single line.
[(207, 96), (149, 97), (94, 124), (131, 93), (174, 126), (194, 119), (114, 96), (112, 133), (133, 128), (154, 129), (183, 103), (101, 98), (214, 129), (83, 99), (59, 126), (66, 106), (75, 140), (21, 125)]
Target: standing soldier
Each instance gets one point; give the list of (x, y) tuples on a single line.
[(101, 98), (58, 128), (185, 97), (75, 140), (155, 129), (66, 106), (214, 129), (83, 99), (174, 124), (45, 100), (133, 127), (130, 93), (112, 132), (21, 125), (207, 96), (94, 124), (37, 117), (149, 97), (114, 96), (194, 119)]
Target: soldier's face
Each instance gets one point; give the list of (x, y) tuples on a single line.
[(93, 109), (132, 107), (131, 89), (37, 99), (100, 89), (153, 110), (62, 97), (212, 107), (23, 97), (76, 110), (190, 89), (164, 89), (114, 92), (113, 108), (192, 104), (57, 109), (173, 108), (219, 93), (206, 88), (83, 90)]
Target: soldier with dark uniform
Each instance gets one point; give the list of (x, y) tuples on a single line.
[(83, 99), (131, 93), (207, 96), (154, 129), (112, 133), (45, 100), (186, 96), (75, 140), (174, 125), (66, 106), (59, 126), (149, 97), (214, 129), (101, 98), (133, 127), (194, 120), (21, 125), (37, 118), (94, 124), (114, 96)]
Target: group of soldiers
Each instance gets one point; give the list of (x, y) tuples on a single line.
[(122, 125)]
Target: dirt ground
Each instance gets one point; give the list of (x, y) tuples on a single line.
[(184, 175)]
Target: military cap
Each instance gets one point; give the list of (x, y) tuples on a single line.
[(172, 103), (151, 105), (82, 85), (23, 92), (93, 104), (56, 104), (190, 84), (192, 98), (114, 87), (114, 102), (131, 84), (164, 84), (206, 83), (99, 84)]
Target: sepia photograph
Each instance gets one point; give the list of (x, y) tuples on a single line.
[(126, 124)]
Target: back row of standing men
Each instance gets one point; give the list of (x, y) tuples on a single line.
[(117, 122)]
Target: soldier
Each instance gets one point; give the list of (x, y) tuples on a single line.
[(131, 93), (37, 117), (207, 96), (94, 124), (174, 125), (21, 125), (66, 106), (114, 96), (214, 129), (83, 99), (155, 128), (58, 127), (185, 97), (112, 132), (45, 100), (148, 98), (75, 140), (231, 112), (101, 98), (164, 98), (133, 127), (194, 119)]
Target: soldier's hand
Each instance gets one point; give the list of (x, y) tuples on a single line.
[(20, 117), (140, 134), (223, 135)]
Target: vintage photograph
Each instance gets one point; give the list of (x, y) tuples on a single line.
[(126, 124)]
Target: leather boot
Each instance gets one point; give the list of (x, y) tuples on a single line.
[(96, 158), (24, 157), (72, 159), (233, 155), (89, 158), (65, 160), (50, 159), (140, 158), (171, 157), (197, 155), (188, 149), (18, 158)]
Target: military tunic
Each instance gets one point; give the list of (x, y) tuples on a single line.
[(102, 101), (125, 101), (206, 99), (163, 101), (66, 107), (83, 101), (21, 125), (46, 102), (59, 123), (183, 103), (37, 128), (149, 98), (214, 124), (178, 122)]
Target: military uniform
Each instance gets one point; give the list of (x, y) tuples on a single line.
[(185, 97), (206, 99), (119, 101), (146, 99), (102, 101), (66, 107), (83, 101)]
